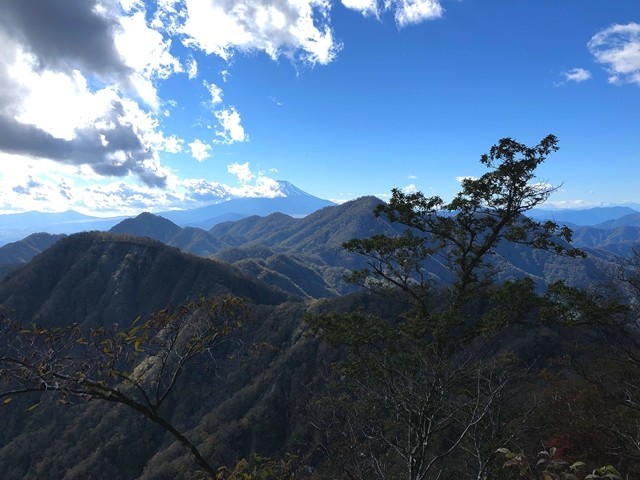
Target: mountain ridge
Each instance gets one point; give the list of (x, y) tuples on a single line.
[(96, 278), (294, 201)]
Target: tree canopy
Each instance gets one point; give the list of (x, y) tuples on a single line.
[(423, 392)]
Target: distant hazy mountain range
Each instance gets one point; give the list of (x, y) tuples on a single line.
[(295, 202), (295, 242), (589, 216), (304, 256)]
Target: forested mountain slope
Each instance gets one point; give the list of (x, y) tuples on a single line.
[(98, 278), (248, 399), (12, 255)]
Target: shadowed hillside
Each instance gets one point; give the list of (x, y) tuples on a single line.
[(97, 278)]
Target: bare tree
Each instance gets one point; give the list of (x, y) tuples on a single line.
[(138, 367)]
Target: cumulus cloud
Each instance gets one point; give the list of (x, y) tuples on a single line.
[(204, 192), (410, 12), (576, 75), (298, 30), (67, 36), (214, 91), (80, 104), (253, 184), (58, 187), (365, 7), (146, 52), (171, 144), (618, 49), (65, 69), (541, 186), (23, 185), (405, 12), (411, 188), (264, 187), (200, 150), (232, 129), (111, 146), (242, 171)]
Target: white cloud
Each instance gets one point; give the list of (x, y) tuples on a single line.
[(214, 91), (147, 53), (462, 178), (63, 96), (253, 184), (80, 108), (365, 7), (48, 186), (405, 12), (573, 204), (264, 187), (618, 49), (192, 68), (411, 188), (56, 102), (202, 192), (200, 150), (232, 129), (168, 15), (297, 29), (242, 171), (55, 115), (541, 186), (412, 177), (172, 144), (26, 184), (410, 12), (131, 5), (576, 75)]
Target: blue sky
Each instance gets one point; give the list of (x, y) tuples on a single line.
[(123, 106)]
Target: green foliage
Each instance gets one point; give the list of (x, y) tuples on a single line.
[(464, 232), (574, 306)]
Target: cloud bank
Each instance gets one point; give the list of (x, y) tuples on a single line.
[(52, 56), (297, 30), (81, 111)]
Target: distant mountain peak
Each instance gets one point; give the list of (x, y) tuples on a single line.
[(290, 190), (147, 225)]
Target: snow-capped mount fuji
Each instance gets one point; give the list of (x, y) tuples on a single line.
[(290, 200), (288, 189)]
